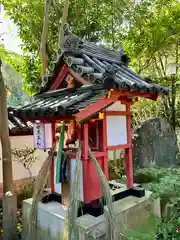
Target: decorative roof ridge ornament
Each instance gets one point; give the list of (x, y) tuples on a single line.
[(71, 41), (66, 29), (125, 59)]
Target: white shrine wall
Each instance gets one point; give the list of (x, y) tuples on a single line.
[(19, 172), (116, 126)]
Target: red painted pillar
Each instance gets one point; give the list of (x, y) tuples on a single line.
[(85, 155), (52, 159), (128, 151), (103, 146)]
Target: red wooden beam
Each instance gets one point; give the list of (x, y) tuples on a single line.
[(93, 109), (128, 152), (85, 141), (100, 154), (152, 96), (58, 80), (119, 147), (117, 113), (78, 77), (103, 139)]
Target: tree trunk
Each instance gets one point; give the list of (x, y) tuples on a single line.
[(5, 141), (173, 107), (64, 19), (173, 86), (9, 198), (44, 36)]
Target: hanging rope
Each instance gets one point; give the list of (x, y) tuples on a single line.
[(41, 181), (114, 233), (74, 198)]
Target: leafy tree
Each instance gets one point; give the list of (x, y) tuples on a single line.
[(153, 41), (92, 20), (148, 29), (16, 96)]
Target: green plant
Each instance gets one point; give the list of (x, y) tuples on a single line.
[(26, 157), (169, 228), (164, 183), (116, 164), (147, 231), (161, 180)]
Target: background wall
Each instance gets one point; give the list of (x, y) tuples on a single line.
[(19, 172)]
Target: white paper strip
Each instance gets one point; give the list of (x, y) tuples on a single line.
[(39, 135)]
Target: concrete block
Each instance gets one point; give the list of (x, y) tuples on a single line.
[(129, 212), (132, 211), (51, 220), (10, 217)]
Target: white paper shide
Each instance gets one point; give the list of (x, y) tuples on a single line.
[(42, 135)]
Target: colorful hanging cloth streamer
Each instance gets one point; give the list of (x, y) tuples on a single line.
[(59, 155)]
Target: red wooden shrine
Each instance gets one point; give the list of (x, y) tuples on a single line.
[(101, 121)]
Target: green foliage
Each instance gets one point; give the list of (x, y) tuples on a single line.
[(12, 79), (94, 20), (152, 41), (30, 69), (169, 228), (161, 180), (164, 183), (146, 231), (14, 85), (149, 31)]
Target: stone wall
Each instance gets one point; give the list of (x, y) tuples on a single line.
[(155, 144)]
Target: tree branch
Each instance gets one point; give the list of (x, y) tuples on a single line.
[(64, 19), (44, 35), (162, 66)]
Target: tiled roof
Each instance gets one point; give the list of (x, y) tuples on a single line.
[(17, 126), (62, 102), (103, 68), (99, 65)]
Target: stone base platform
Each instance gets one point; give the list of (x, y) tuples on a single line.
[(130, 211)]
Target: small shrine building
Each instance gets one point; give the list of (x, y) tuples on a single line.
[(91, 89)]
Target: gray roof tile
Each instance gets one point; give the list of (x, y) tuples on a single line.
[(96, 63), (62, 102), (17, 125), (104, 68)]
